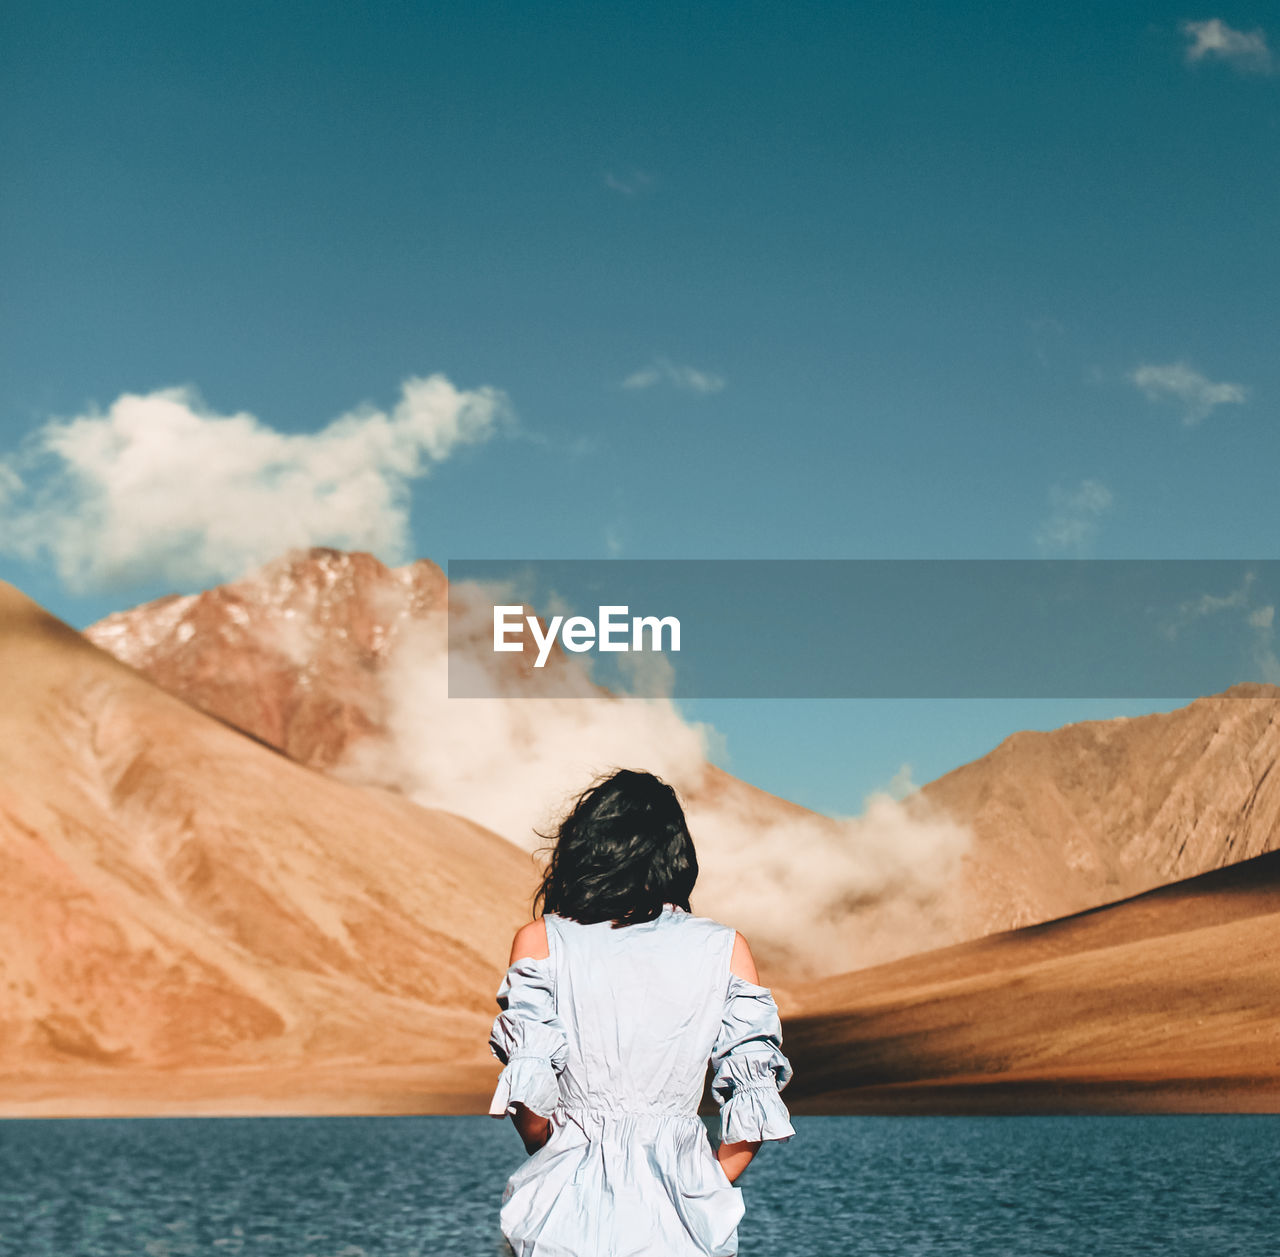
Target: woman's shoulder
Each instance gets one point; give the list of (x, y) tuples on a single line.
[(530, 942), (709, 926), (730, 940)]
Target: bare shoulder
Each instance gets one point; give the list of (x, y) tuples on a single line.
[(743, 963), (530, 942)]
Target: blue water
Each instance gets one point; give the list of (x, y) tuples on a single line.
[(392, 1187)]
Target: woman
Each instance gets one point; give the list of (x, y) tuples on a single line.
[(616, 1001)]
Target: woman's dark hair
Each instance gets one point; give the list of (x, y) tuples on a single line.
[(621, 853)]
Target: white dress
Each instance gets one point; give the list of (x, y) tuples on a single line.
[(610, 1037)]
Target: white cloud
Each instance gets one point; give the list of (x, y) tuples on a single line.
[(1047, 337), (161, 487), (1178, 382), (1211, 604), (1259, 620), (1262, 621), (868, 888), (630, 184), (664, 371), (10, 484), (1246, 51), (1075, 516), (897, 787), (1262, 617)]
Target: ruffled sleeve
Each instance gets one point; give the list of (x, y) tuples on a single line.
[(749, 1067), (529, 1039)]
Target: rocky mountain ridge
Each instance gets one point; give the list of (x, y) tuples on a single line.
[(1061, 821), (1094, 812)]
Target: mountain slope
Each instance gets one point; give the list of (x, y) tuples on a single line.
[(303, 654), (292, 655), (191, 921), (1096, 811), (341, 663), (181, 902), (1166, 1001)]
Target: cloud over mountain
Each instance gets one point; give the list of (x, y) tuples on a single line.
[(344, 664), (160, 486)]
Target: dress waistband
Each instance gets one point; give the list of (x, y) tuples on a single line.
[(619, 1111)]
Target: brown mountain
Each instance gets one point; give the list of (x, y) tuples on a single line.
[(297, 654), (191, 921), (1096, 811), (291, 655), (1166, 1001), (315, 653)]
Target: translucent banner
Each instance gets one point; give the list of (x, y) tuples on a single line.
[(861, 628)]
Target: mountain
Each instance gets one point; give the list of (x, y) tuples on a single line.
[(1100, 810), (196, 918), (303, 655), (341, 663), (292, 656), (1167, 1001), (300, 653), (192, 921)]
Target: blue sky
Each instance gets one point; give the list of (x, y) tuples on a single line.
[(811, 280)]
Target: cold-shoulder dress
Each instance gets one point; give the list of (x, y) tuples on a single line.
[(610, 1037)]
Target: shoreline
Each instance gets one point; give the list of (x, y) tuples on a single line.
[(406, 1091)]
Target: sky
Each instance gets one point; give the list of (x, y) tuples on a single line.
[(495, 280)]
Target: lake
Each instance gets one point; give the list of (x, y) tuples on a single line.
[(402, 1186)]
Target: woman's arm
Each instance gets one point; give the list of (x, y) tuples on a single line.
[(534, 1129), (734, 1158)]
